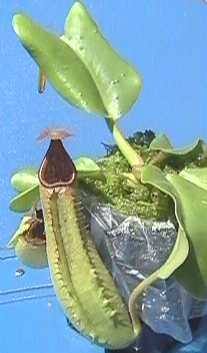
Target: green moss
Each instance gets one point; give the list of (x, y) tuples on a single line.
[(135, 200), (144, 201)]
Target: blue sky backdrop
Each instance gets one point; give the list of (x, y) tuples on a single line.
[(166, 42)]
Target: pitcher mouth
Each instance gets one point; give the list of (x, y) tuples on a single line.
[(36, 232), (57, 168), (55, 134)]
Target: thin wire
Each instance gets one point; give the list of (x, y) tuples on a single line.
[(9, 257), (27, 298), (26, 289)]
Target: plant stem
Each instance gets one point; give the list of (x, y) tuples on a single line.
[(135, 161)]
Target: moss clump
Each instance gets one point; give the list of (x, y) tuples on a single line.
[(116, 189), (140, 200)]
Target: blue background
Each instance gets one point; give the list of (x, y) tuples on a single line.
[(166, 41)]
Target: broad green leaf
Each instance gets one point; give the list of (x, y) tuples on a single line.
[(191, 210), (25, 179), (193, 274), (160, 143), (117, 82), (177, 256), (60, 64), (197, 176), (24, 201), (81, 64), (87, 167), (163, 144), (85, 164)]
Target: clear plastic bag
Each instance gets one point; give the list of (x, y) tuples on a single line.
[(132, 249)]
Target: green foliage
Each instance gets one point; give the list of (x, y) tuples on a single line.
[(197, 176), (162, 143), (60, 64), (88, 167), (25, 179), (190, 198), (178, 158), (81, 65), (88, 73), (117, 82), (25, 200)]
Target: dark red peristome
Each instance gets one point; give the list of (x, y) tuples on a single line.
[(57, 168)]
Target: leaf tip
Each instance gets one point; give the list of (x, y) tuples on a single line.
[(17, 22), (78, 6), (26, 29)]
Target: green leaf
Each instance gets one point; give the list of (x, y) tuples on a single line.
[(191, 210), (87, 167), (25, 179), (197, 176), (117, 82), (162, 143), (177, 256), (24, 201), (85, 164), (60, 64), (81, 65)]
